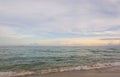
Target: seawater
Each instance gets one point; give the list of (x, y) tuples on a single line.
[(13, 58)]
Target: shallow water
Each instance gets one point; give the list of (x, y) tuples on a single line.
[(14, 58)]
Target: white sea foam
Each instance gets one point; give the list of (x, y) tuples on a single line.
[(62, 69), (13, 74)]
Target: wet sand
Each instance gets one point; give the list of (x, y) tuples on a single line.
[(104, 72)]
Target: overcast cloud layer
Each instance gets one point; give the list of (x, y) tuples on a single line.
[(59, 22)]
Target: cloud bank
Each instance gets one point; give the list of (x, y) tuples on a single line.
[(51, 22)]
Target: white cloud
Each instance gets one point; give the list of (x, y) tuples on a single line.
[(39, 18), (31, 8)]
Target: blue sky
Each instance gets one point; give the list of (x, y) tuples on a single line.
[(59, 22)]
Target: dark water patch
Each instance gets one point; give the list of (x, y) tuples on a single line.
[(105, 51), (21, 66)]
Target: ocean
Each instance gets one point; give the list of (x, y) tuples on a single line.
[(16, 58)]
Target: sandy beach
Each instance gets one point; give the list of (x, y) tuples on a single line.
[(104, 72)]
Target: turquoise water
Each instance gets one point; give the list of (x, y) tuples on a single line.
[(43, 57)]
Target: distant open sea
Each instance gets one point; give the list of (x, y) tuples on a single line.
[(13, 58)]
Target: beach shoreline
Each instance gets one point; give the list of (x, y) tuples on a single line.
[(96, 68), (102, 72)]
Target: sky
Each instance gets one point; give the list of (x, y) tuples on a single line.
[(60, 22)]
